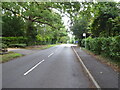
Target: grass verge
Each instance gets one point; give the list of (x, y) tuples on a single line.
[(9, 56), (105, 60), (40, 47)]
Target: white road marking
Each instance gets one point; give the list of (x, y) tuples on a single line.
[(33, 68), (50, 54), (90, 75)]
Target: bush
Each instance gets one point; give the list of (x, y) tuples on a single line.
[(97, 45), (2, 45), (79, 42), (3, 48), (109, 47), (93, 44), (106, 43), (115, 48), (82, 43)]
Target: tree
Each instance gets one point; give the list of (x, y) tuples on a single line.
[(104, 20), (12, 26), (34, 14)]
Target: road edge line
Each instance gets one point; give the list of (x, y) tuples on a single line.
[(88, 72)]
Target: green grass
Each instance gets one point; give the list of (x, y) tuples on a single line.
[(9, 56), (106, 60), (48, 46), (40, 47)]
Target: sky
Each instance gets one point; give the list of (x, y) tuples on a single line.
[(66, 20)]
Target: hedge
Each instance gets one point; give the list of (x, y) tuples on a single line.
[(20, 41), (17, 45), (109, 47), (13, 40)]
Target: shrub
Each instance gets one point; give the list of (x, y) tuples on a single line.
[(87, 43), (3, 48), (106, 43), (115, 48), (98, 44), (93, 44), (83, 43), (109, 47), (2, 45)]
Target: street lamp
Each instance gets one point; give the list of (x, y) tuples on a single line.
[(84, 35)]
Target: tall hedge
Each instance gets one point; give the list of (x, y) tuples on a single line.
[(13, 40), (109, 47)]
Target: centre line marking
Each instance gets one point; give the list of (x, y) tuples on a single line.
[(51, 54), (33, 68)]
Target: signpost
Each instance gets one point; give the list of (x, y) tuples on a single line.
[(84, 34)]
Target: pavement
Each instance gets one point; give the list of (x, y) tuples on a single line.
[(55, 67), (105, 76)]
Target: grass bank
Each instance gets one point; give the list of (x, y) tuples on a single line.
[(9, 56), (105, 60), (40, 47)]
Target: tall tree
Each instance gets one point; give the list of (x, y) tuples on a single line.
[(104, 20), (34, 13)]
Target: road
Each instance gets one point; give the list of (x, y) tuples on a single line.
[(56, 67)]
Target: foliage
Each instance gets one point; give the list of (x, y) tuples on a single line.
[(3, 48), (100, 19), (36, 21), (17, 45), (79, 27), (40, 23), (64, 39), (29, 11), (13, 40), (105, 22), (2, 45), (12, 26), (109, 47), (115, 48)]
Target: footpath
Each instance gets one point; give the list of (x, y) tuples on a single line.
[(104, 75)]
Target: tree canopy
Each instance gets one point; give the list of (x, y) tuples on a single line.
[(101, 19), (34, 20), (40, 21)]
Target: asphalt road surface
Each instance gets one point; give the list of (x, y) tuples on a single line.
[(56, 67)]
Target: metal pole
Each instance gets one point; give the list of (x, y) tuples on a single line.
[(84, 34), (85, 41)]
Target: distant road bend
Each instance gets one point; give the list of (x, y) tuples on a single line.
[(55, 67)]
